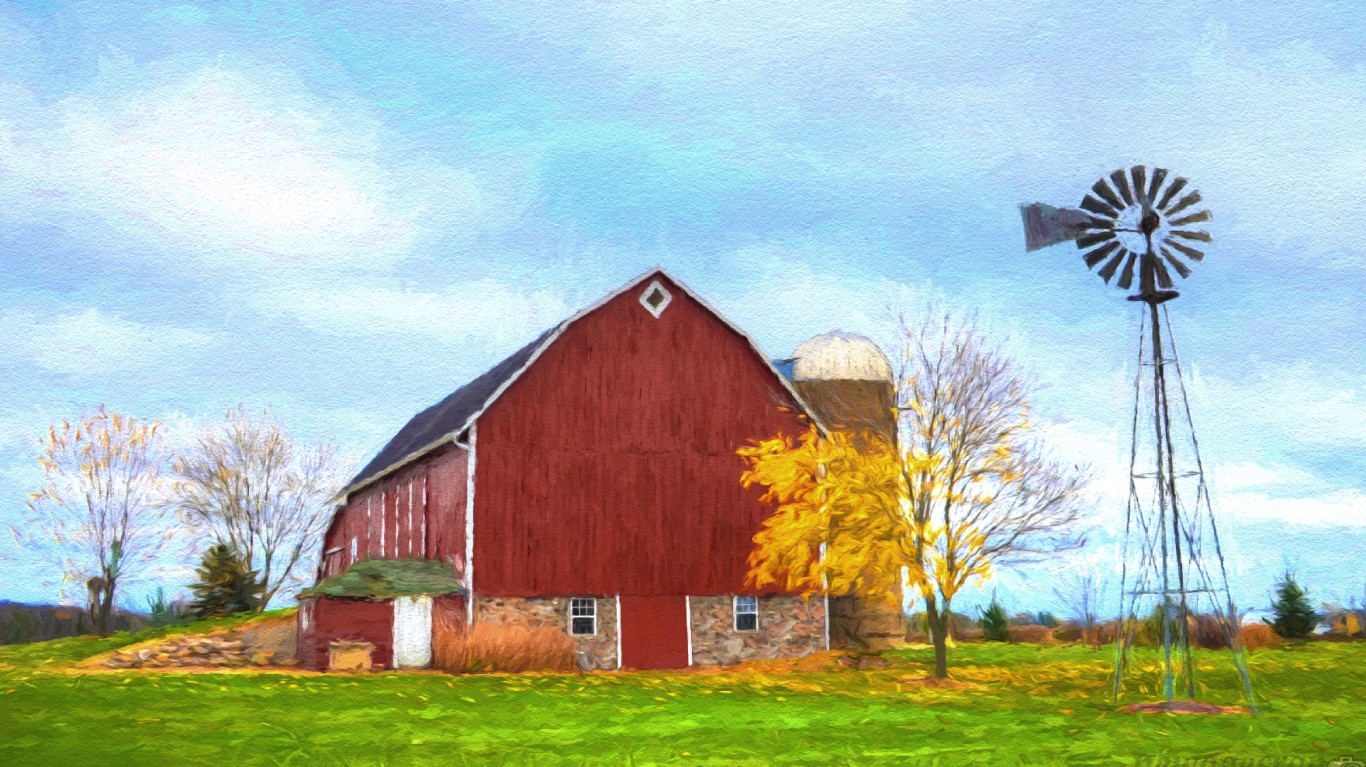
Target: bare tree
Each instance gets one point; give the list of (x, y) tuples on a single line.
[(247, 483), (980, 488), (1081, 594), (97, 515)]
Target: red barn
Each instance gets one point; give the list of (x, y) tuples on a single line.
[(590, 482)]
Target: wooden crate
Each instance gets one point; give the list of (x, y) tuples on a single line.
[(349, 656)]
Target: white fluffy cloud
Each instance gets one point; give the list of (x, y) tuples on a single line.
[(782, 297), (481, 311), (1250, 475), (92, 342), (236, 167), (1304, 404), (1346, 508), (1272, 128)]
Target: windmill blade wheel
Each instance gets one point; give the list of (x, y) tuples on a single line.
[(1142, 222)]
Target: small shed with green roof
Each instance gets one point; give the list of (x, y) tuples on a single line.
[(389, 603)]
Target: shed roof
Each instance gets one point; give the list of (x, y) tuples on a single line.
[(388, 578), (439, 421)]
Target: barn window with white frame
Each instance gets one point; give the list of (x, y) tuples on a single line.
[(583, 616), (746, 613)]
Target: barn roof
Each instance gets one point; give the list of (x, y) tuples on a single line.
[(448, 418), (450, 415)]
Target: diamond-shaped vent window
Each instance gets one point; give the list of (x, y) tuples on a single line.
[(655, 299)]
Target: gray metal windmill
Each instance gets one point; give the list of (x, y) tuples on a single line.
[(1131, 225)]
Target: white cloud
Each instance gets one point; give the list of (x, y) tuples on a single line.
[(1307, 405), (776, 278), (1271, 128), (238, 167), (92, 342), (1303, 403), (1345, 508), (1250, 475), (481, 311)]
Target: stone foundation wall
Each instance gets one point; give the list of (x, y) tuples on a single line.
[(599, 650), (788, 627)]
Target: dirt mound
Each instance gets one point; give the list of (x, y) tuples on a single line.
[(931, 681), (262, 644), (1181, 707)]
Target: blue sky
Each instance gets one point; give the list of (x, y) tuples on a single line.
[(345, 213)]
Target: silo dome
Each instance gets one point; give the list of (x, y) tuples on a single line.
[(840, 356)]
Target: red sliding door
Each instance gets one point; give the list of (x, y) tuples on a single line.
[(654, 632)]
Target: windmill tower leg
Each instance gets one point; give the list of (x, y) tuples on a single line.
[(1165, 526), (1176, 626), (1228, 611)]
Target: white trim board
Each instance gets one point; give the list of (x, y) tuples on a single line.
[(618, 631), (827, 621), (687, 605), (470, 462), (825, 582)]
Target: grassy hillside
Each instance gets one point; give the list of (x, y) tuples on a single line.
[(1010, 704)]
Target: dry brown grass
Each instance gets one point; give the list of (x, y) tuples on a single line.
[(1032, 634), (1206, 631), (488, 648), (967, 635), (1258, 635)]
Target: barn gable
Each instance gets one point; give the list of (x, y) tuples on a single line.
[(609, 465), (448, 419)]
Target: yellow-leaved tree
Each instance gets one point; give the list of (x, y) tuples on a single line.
[(964, 487)]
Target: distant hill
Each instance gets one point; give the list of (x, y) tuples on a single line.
[(22, 623)]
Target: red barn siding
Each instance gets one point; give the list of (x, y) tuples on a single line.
[(349, 522), (610, 466), (403, 508), (405, 528), (332, 620), (446, 486), (432, 528), (393, 514), (388, 501), (448, 615)]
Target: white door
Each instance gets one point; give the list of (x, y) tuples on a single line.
[(412, 632)]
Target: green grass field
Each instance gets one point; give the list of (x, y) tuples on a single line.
[(1012, 704)]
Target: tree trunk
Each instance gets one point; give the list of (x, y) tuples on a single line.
[(106, 608), (941, 647), (94, 587), (266, 596), (939, 636)]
